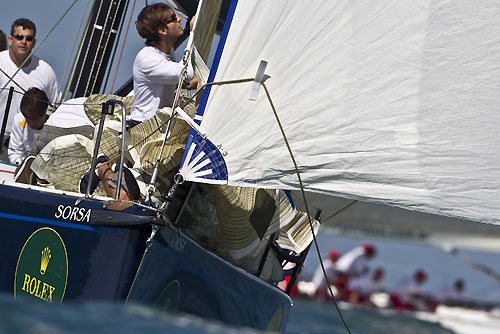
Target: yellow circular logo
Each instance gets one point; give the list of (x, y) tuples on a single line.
[(169, 297), (275, 322), (42, 267)]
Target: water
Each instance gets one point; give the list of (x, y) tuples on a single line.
[(316, 317), (27, 316)]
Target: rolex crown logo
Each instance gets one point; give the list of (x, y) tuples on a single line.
[(45, 260)]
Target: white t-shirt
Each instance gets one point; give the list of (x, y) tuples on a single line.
[(37, 74), (22, 139), (319, 279), (156, 76), (406, 288), (70, 114), (365, 285), (353, 263)]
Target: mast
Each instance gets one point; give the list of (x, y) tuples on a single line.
[(95, 49)]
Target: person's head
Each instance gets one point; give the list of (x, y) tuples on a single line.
[(34, 108), (378, 274), (459, 285), (420, 276), (333, 255), (3, 41), (21, 38), (157, 20), (369, 249)]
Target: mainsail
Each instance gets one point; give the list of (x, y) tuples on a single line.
[(392, 102)]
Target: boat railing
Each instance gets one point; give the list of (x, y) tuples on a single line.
[(290, 257), (108, 109)]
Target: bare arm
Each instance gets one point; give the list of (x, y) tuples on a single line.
[(105, 173)]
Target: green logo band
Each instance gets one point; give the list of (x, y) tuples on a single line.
[(42, 267)]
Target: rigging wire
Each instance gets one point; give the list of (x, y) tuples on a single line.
[(336, 212), (108, 37), (14, 81), (298, 175), (100, 44), (88, 49), (73, 156), (214, 83), (63, 96), (340, 210), (58, 104), (116, 46), (475, 264), (39, 44), (121, 51), (305, 203), (79, 52)]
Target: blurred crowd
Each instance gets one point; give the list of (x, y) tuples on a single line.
[(350, 279)]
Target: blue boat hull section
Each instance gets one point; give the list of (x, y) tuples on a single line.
[(178, 275), (51, 252)]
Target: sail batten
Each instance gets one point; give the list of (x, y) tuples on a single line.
[(385, 102)]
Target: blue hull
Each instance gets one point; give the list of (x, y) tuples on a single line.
[(55, 250), (178, 275), (98, 262)]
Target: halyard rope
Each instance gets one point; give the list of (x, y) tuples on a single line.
[(104, 36), (298, 175), (123, 47), (305, 203), (70, 57)]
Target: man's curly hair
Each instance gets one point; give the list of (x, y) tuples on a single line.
[(150, 19)]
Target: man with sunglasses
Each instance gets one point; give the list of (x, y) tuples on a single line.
[(156, 72), (34, 72)]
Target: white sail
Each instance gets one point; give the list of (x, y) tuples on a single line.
[(394, 102)]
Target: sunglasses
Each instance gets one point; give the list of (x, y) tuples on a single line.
[(20, 37), (172, 18)]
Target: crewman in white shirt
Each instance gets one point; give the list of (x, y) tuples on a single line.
[(361, 288), (27, 124), (34, 72), (407, 295), (155, 71), (352, 265), (319, 281)]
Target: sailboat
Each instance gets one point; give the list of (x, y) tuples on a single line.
[(392, 103)]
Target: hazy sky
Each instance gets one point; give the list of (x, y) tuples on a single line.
[(56, 49)]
